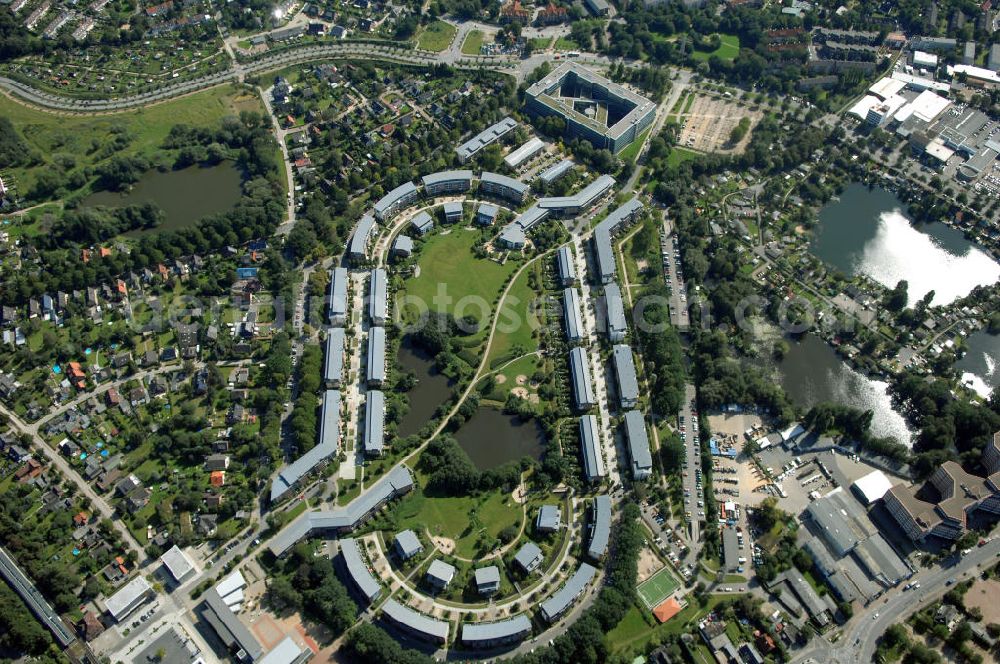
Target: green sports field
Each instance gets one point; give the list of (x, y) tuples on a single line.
[(657, 588)]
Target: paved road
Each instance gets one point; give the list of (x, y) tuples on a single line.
[(859, 640), (688, 425)]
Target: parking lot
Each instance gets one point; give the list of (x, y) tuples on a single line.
[(694, 502), (709, 122), (674, 275)]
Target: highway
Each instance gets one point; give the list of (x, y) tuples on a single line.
[(859, 639)]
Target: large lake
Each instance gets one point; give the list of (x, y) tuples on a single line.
[(867, 232), (491, 438), (185, 195), (812, 372), (978, 367)]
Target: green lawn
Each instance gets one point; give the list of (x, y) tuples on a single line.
[(72, 144), (436, 36), (540, 43), (633, 634), (520, 316), (679, 155), (462, 519), (728, 49), (473, 42), (631, 153), (469, 284), (566, 44)]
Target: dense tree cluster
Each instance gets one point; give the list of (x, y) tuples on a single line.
[(304, 418), (308, 583), (451, 472), (661, 352)]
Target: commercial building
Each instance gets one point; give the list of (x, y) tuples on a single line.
[(447, 182), (328, 446), (625, 376), (841, 521), (607, 229), (407, 544), (397, 199), (287, 652), (607, 114), (422, 223), (487, 580), (590, 449), (374, 423), (553, 173), (378, 297), (486, 214), (452, 212), (638, 445), (375, 364), (417, 624), (951, 495), (730, 549), (488, 136), (871, 487), (803, 594), (515, 234), (574, 204), (549, 519), (600, 527), (357, 251), (571, 313), (337, 305), (440, 574), (177, 564), (528, 557), (231, 631), (402, 246), (524, 153), (497, 633), (501, 186), (567, 268), (925, 60), (133, 595), (29, 594), (614, 308), (934, 44), (346, 518), (579, 369), (562, 599), (356, 566), (333, 360), (976, 76)]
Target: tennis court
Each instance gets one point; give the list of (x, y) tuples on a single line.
[(657, 588)]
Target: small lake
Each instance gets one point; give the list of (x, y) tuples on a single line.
[(491, 438), (978, 368), (812, 372), (431, 391), (185, 196), (866, 232)]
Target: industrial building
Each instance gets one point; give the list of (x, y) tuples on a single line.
[(571, 313), (501, 186), (529, 150), (374, 423), (614, 308), (378, 297), (625, 376), (497, 633), (567, 268), (579, 369), (637, 441), (608, 115), (357, 251), (422, 223), (562, 599), (397, 199), (344, 518), (488, 136), (356, 566), (590, 449), (327, 447), (447, 182), (600, 527), (333, 360), (375, 365), (337, 305)]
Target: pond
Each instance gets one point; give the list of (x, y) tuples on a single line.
[(431, 391), (185, 196), (811, 372), (866, 232), (978, 367), (492, 438)]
